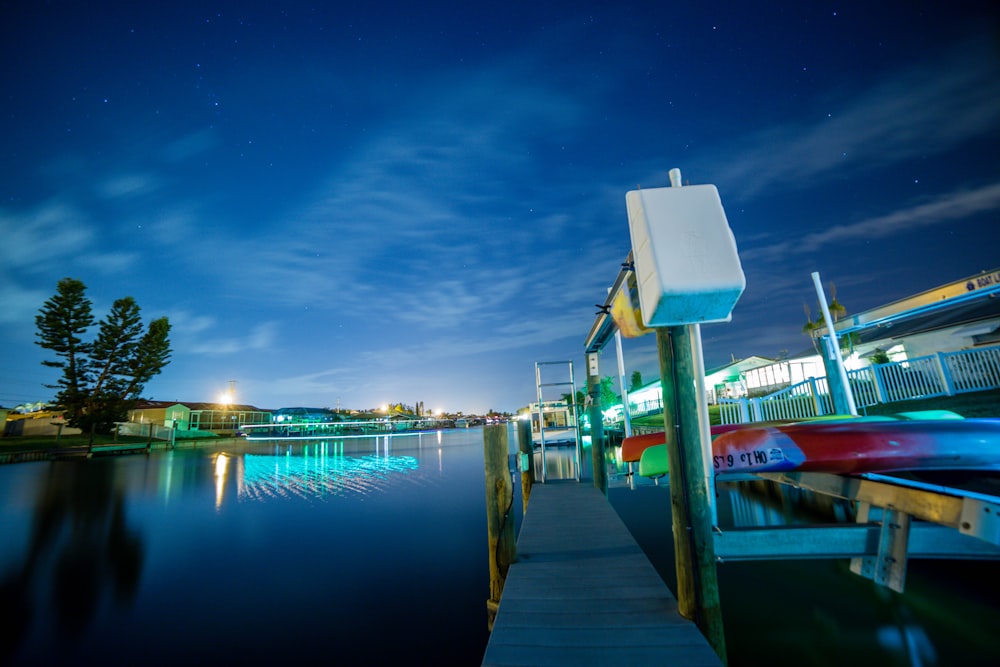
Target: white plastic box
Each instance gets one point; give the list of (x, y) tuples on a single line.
[(686, 264)]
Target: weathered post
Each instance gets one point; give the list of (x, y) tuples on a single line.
[(527, 454), (596, 424), (688, 272), (694, 548), (499, 525)]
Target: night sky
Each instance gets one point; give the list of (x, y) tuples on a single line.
[(398, 202)]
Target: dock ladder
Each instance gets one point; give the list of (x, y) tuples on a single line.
[(570, 410)]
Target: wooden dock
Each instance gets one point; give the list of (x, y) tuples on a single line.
[(83, 451), (582, 592)]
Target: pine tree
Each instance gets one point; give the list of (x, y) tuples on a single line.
[(61, 322), (100, 379)]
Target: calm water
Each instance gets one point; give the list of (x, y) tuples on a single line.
[(816, 612), (362, 552), (373, 552)]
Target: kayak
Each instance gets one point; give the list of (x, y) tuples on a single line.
[(634, 445), (850, 447), (921, 440)]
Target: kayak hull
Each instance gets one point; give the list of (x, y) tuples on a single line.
[(927, 440), (845, 447)]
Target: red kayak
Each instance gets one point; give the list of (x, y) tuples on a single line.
[(634, 445), (863, 446), (927, 440)]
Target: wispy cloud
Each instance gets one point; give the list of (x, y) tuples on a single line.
[(190, 145), (931, 108), (260, 337), (198, 334), (48, 233), (123, 186), (20, 304), (413, 222), (941, 210)]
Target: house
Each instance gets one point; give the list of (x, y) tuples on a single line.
[(161, 413), (959, 316), (194, 416), (36, 423), (927, 326), (728, 381)]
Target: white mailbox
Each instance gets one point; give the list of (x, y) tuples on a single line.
[(686, 264)]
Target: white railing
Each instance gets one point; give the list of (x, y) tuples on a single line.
[(972, 370), (941, 374), (647, 407), (915, 378), (142, 429), (799, 401)]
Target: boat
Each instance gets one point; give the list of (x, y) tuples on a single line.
[(925, 440), (315, 430)]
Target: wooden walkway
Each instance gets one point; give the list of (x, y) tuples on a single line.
[(582, 592)]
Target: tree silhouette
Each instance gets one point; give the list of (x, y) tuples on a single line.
[(100, 379)]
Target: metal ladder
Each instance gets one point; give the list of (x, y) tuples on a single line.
[(573, 409)]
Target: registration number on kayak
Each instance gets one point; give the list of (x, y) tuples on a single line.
[(754, 458)]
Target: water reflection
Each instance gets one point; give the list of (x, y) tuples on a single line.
[(80, 551), (319, 471), (560, 463), (159, 559), (221, 464), (815, 611)]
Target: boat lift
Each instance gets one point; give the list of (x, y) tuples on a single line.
[(569, 382), (896, 519)]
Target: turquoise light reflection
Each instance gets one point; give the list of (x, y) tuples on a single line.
[(318, 471)]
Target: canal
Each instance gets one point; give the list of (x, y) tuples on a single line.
[(372, 551)]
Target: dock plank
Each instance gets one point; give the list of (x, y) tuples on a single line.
[(582, 592)]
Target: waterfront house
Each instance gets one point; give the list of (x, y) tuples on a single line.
[(195, 416)]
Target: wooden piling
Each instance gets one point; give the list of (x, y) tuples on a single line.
[(596, 425), (499, 521), (694, 548), (526, 450)]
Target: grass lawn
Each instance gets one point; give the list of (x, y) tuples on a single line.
[(20, 443)]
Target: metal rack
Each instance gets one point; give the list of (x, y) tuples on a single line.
[(572, 407), (897, 519)]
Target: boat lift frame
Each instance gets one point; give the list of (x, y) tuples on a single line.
[(571, 383), (897, 519)]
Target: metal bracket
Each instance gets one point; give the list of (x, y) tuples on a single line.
[(980, 518), (888, 566)]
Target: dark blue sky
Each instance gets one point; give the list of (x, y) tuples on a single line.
[(393, 202)]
